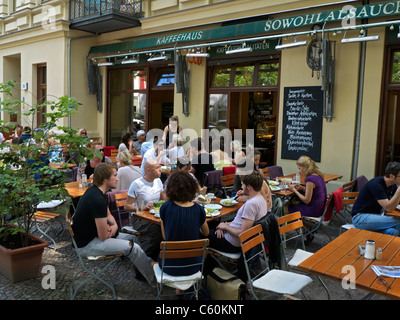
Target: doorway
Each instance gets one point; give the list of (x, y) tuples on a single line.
[(389, 130), (244, 96)]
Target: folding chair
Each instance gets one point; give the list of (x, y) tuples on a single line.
[(120, 199), (96, 267), (227, 183), (317, 223), (265, 173), (273, 281), (43, 217), (291, 228), (178, 250), (348, 199)]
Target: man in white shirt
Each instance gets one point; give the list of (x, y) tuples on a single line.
[(157, 152), (150, 189)]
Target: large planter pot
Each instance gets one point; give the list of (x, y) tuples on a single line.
[(23, 263)]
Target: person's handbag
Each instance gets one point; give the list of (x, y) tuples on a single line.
[(223, 285)]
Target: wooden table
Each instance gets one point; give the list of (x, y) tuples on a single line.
[(344, 251), (328, 177), (395, 213), (73, 189), (146, 215), (60, 166)]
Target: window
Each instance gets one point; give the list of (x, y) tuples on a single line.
[(127, 102), (255, 74), (218, 111), (268, 74), (396, 67), (165, 78)]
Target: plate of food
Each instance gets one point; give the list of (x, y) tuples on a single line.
[(212, 212), (213, 206), (228, 202), (203, 200), (273, 183), (275, 188), (398, 207)]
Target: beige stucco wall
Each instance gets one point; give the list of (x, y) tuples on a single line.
[(338, 135)]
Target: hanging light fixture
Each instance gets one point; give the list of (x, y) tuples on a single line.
[(361, 38), (198, 54), (239, 50), (291, 45), (130, 60), (107, 63), (158, 58)]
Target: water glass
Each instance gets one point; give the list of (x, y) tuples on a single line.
[(139, 206)]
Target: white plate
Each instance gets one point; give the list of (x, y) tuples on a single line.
[(154, 211), (233, 202), (274, 188), (398, 207), (213, 214), (213, 206), (273, 183), (157, 215)]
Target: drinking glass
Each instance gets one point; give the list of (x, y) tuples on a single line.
[(139, 206), (156, 205)]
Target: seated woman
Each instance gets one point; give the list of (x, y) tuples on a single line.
[(182, 219), (127, 144), (127, 172), (313, 194)]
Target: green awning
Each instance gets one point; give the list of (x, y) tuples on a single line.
[(347, 14)]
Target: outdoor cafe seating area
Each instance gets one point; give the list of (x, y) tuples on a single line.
[(312, 270), (322, 260)]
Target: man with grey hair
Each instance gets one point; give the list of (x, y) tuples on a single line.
[(379, 195), (148, 188)]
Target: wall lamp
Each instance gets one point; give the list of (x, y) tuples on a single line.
[(291, 45), (158, 58), (198, 54), (361, 38), (239, 50), (129, 61), (107, 63)]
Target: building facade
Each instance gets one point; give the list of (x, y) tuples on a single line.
[(309, 77)]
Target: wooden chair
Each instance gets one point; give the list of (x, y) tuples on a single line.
[(348, 186), (113, 156), (95, 267), (180, 250), (265, 173), (348, 199), (291, 228), (276, 281), (227, 183), (120, 199), (42, 217)]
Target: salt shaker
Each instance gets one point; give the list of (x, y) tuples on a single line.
[(378, 255), (370, 249)]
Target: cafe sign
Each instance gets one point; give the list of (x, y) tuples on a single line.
[(347, 15)]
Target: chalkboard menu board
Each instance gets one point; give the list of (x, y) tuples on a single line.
[(302, 123)]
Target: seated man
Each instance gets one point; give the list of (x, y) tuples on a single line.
[(95, 229), (156, 152), (226, 236), (378, 195), (150, 189)]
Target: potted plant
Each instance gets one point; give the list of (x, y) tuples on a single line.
[(26, 178)]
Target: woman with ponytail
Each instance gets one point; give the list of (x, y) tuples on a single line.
[(313, 194)]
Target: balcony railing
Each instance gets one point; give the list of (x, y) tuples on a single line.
[(104, 13)]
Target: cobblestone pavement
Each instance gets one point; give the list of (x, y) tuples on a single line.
[(128, 287)]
